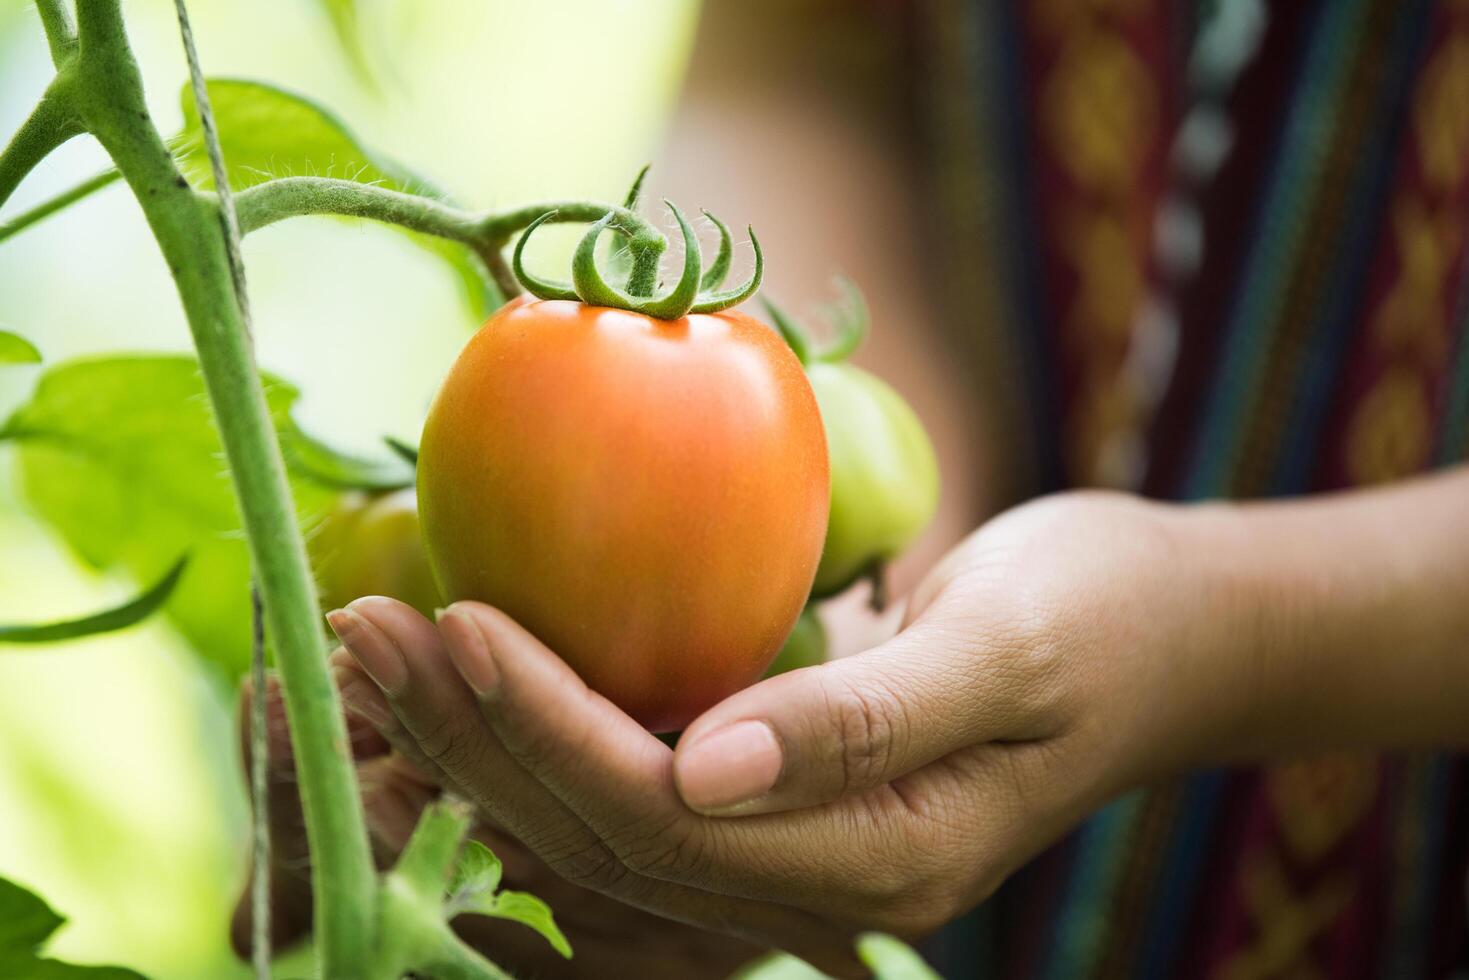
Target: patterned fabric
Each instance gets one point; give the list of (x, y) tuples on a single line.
[(1204, 250)]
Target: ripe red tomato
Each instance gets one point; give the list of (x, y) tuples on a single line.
[(648, 497)]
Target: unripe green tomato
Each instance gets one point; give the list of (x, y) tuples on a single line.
[(884, 474), (805, 647), (370, 544)]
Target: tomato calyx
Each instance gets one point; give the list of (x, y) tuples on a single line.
[(696, 291), (848, 315)]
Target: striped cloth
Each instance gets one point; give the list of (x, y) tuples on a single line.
[(1216, 249)]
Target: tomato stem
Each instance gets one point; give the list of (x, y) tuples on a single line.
[(189, 228)]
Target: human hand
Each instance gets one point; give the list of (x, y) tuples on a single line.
[(609, 937), (1048, 663)]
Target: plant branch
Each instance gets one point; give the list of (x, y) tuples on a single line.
[(486, 233), (188, 229), (51, 123), (429, 854), (60, 34), (49, 207)]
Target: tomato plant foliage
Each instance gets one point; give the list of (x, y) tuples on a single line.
[(26, 923), (121, 456), (138, 460)]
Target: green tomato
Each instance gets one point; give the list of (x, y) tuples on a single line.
[(370, 544), (884, 473), (805, 647)]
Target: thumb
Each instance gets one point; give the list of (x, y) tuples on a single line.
[(811, 736)]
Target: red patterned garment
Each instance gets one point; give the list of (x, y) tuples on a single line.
[(1217, 249)]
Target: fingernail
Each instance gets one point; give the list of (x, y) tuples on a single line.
[(364, 700), (470, 651), (376, 654), (730, 767)]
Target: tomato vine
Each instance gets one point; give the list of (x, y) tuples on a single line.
[(362, 930)]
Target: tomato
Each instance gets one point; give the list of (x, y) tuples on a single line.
[(648, 497), (884, 474), (370, 544), (805, 647)]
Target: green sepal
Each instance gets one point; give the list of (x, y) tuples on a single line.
[(714, 302), (852, 321), (594, 290), (129, 613), (714, 275), (536, 286), (795, 335)]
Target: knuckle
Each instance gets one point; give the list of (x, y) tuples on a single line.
[(449, 745), (585, 861), (670, 851), (870, 722)]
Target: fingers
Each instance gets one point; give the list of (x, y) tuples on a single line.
[(950, 680), (595, 758), (573, 742)]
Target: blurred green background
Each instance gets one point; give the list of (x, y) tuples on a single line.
[(121, 799)]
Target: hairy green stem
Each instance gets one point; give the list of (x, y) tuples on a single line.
[(486, 233), (49, 207), (50, 124), (188, 230), (429, 854), (60, 34)]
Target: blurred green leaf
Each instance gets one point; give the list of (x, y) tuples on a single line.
[(890, 958), (15, 349), (476, 876), (119, 617), (405, 452), (307, 455), (268, 132), (779, 966), (121, 456), (347, 27), (25, 923)]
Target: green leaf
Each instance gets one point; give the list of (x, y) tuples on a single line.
[(120, 455), (476, 876), (309, 456), (15, 349), (119, 617), (405, 452), (528, 910), (348, 30), (472, 891), (890, 958), (268, 132), (26, 922)]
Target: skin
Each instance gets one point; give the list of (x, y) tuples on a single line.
[(1068, 651), (630, 489)]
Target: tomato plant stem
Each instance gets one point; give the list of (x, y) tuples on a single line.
[(486, 232), (50, 124), (188, 228), (60, 34)]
